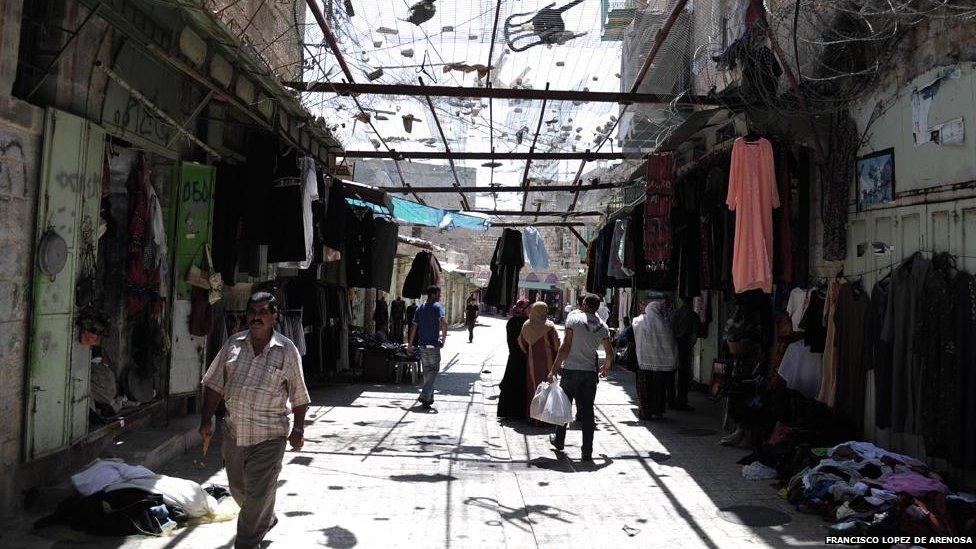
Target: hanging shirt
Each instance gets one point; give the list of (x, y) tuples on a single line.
[(802, 369), (534, 249), (657, 350), (796, 307), (310, 193), (615, 268), (752, 195)]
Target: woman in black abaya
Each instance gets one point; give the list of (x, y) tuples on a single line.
[(511, 391)]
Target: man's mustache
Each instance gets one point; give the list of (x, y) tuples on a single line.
[(257, 322)]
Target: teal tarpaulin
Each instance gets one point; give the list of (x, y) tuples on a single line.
[(418, 214)]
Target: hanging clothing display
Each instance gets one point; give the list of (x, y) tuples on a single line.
[(936, 349), (506, 262), (384, 247), (286, 244), (657, 211), (783, 259), (397, 317), (535, 249), (425, 271), (828, 387), (877, 352), (381, 315), (851, 310), (141, 276), (262, 157), (812, 323), (358, 252), (336, 212), (796, 307), (901, 316), (310, 193), (802, 369), (228, 211), (753, 195), (961, 402)]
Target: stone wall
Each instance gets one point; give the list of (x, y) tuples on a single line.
[(21, 127), (270, 27)]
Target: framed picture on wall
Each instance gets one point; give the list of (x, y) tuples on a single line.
[(875, 179)]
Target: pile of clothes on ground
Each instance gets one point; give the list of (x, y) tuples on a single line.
[(117, 499), (862, 489)]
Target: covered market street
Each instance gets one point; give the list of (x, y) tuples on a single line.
[(378, 472)]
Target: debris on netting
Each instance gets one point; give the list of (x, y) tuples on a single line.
[(407, 52), (447, 28), (408, 120), (421, 12), (374, 74), (387, 30), (349, 11), (377, 43), (546, 26), (375, 142)]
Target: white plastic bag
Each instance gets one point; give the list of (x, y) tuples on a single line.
[(538, 404), (551, 404)]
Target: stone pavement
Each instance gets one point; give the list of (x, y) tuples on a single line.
[(376, 471)]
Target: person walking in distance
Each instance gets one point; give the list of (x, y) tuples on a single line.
[(576, 361), (470, 317), (257, 373), (424, 327)]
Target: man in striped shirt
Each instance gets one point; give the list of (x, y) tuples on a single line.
[(257, 373)]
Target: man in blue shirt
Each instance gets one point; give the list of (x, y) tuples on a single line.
[(424, 327)]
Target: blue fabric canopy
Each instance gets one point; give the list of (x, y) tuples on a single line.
[(428, 216)]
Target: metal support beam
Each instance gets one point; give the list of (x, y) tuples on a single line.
[(193, 115), (488, 190), (577, 235), (540, 213), (344, 88), (542, 224), (447, 149), (330, 38), (528, 161), (154, 109), (491, 106), (466, 155)]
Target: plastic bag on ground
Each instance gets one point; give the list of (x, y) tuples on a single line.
[(551, 404)]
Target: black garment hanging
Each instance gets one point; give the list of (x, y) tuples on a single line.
[(384, 252), (506, 262), (336, 211), (287, 242), (397, 318), (229, 203), (262, 151), (962, 409), (425, 271), (381, 314), (877, 353), (359, 248)]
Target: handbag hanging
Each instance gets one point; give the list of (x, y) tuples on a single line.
[(206, 278)]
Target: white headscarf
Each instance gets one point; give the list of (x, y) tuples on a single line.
[(656, 346)]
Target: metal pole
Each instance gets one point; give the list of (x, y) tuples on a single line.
[(487, 190), (345, 88), (528, 162), (447, 148), (330, 38), (542, 224), (154, 109), (471, 155)]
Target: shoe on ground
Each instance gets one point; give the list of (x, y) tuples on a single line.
[(555, 444)]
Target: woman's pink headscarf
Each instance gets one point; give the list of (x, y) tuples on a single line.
[(521, 308)]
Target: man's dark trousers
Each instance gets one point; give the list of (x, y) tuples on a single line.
[(580, 386)]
